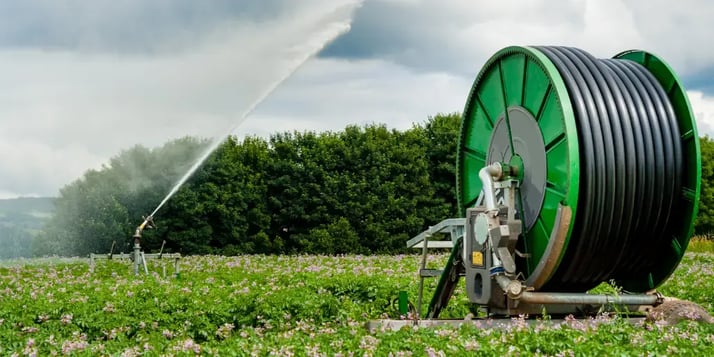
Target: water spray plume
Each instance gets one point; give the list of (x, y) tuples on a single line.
[(310, 49)]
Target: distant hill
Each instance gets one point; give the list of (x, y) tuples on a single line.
[(20, 219), (26, 204)]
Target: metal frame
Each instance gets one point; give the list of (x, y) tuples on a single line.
[(452, 226), (492, 281), (455, 228), (142, 260), (139, 258)]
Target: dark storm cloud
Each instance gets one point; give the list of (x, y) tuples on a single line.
[(702, 80), (435, 35), (124, 26), (457, 36), (376, 32), (402, 32)]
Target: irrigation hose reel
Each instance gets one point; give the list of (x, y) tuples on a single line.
[(571, 171)]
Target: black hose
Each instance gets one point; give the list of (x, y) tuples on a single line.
[(630, 159)]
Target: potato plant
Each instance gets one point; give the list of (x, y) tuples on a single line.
[(295, 306)]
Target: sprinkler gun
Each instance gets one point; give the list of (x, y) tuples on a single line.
[(148, 223), (138, 256)]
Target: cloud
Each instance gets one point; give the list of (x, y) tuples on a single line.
[(82, 80), (703, 108), (129, 26), (459, 36), (67, 111), (24, 160), (331, 93), (680, 33)]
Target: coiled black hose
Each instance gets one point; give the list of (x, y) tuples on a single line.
[(631, 170)]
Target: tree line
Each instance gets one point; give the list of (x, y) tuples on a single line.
[(360, 190)]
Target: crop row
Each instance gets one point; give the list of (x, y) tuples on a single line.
[(291, 305)]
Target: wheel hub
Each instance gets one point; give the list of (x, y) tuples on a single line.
[(526, 154)]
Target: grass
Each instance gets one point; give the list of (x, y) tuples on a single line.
[(701, 244)]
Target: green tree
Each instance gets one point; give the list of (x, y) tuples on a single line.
[(336, 237), (705, 220), (442, 134), (359, 190), (88, 217), (105, 205), (221, 208)]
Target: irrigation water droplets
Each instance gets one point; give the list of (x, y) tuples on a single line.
[(319, 29)]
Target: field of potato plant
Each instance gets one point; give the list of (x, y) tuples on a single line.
[(293, 306)]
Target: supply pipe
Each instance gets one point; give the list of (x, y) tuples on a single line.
[(515, 291), (487, 176)]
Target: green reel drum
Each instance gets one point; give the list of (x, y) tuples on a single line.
[(607, 155)]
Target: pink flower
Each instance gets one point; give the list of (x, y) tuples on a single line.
[(368, 343), (225, 331), (70, 346), (472, 345), (188, 346), (433, 353), (66, 319)]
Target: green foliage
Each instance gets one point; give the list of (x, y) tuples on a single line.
[(442, 135), (372, 183), (360, 190), (700, 245), (300, 305), (100, 208), (705, 219), (334, 238)]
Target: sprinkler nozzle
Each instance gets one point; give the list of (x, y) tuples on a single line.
[(148, 223)]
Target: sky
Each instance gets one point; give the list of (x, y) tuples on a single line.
[(82, 80)]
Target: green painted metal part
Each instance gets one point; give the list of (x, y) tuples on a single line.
[(403, 303), (445, 286), (522, 77), (691, 182)]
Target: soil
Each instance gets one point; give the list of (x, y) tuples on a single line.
[(672, 311)]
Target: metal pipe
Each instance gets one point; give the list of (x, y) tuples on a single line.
[(513, 288), (588, 299), (515, 291), (137, 255), (487, 175), (143, 260), (148, 223)]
